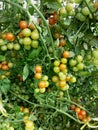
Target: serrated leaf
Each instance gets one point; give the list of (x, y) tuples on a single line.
[(25, 72), (4, 85), (53, 5)]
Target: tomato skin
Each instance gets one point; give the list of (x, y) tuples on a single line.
[(23, 24), (10, 36)]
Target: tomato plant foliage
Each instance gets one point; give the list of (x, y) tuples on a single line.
[(48, 65)]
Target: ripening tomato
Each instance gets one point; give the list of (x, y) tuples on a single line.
[(62, 83), (82, 113), (31, 26), (62, 42), (10, 36), (23, 24), (52, 21), (77, 110), (41, 84), (66, 54), (38, 68), (62, 67), (5, 67), (72, 107), (55, 79), (38, 75)]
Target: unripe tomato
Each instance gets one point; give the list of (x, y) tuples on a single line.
[(72, 62), (66, 87), (45, 78), (1, 42), (10, 64), (27, 47), (10, 36), (35, 35), (80, 17), (35, 43), (11, 128), (80, 66), (95, 53), (69, 7), (64, 60), (26, 32), (85, 11), (4, 48), (17, 46), (27, 41), (10, 46), (55, 79), (56, 69), (29, 124), (46, 84), (63, 11), (23, 24), (26, 110), (56, 63), (42, 90), (73, 79)]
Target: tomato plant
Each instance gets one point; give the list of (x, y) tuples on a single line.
[(48, 65)]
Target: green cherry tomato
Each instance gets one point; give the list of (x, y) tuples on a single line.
[(27, 41), (35, 43), (69, 7), (80, 17), (10, 46), (80, 66), (85, 11), (26, 32), (72, 62), (95, 54), (1, 42), (79, 58), (35, 35), (17, 46), (4, 48)]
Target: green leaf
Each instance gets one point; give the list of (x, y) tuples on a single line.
[(34, 53), (2, 58), (25, 72), (4, 85)]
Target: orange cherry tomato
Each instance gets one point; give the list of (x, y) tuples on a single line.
[(38, 69), (10, 36), (66, 54), (23, 24)]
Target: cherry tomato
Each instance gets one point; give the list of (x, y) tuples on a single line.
[(80, 17), (38, 75), (52, 21), (73, 79), (85, 11), (62, 42), (72, 107), (35, 43), (26, 32), (82, 113), (1, 42), (41, 84), (79, 58), (17, 46), (23, 24), (38, 69), (69, 7), (64, 60), (5, 67), (10, 46), (56, 63), (72, 62), (66, 54), (31, 26), (56, 69), (77, 110), (35, 35), (42, 90), (10, 36), (62, 67), (62, 83), (27, 41), (80, 66), (3, 47), (55, 79)]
